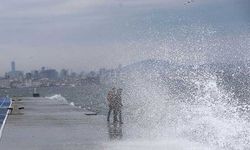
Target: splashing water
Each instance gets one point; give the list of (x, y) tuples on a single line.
[(58, 98), (206, 114)]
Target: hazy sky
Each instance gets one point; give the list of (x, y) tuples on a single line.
[(89, 34)]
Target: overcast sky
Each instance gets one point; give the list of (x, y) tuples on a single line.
[(89, 34)]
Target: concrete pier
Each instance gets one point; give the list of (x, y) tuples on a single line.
[(49, 124), (45, 124)]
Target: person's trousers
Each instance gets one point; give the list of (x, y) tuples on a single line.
[(110, 109), (118, 112), (120, 115), (114, 114)]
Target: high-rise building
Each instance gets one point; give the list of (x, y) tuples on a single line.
[(13, 66), (64, 73), (14, 74), (49, 73)]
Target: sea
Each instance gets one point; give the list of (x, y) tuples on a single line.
[(175, 107), (90, 97)]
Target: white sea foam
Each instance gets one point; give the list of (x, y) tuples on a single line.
[(210, 117), (58, 98), (62, 99), (72, 104), (157, 144)]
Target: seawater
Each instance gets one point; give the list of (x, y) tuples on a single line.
[(90, 97)]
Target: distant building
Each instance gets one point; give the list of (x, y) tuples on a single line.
[(4, 83), (73, 75), (51, 74), (90, 80), (6, 76), (43, 69), (102, 71), (91, 74), (35, 74), (14, 74), (13, 66), (28, 76), (64, 74), (82, 74)]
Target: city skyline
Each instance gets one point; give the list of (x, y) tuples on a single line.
[(13, 68)]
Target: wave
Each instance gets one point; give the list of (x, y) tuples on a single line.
[(72, 104), (60, 98), (195, 108)]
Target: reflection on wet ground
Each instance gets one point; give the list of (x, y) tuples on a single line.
[(115, 131)]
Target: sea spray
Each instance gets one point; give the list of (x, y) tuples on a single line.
[(209, 115), (215, 118), (72, 104), (60, 98)]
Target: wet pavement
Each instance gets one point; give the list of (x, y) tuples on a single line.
[(50, 124)]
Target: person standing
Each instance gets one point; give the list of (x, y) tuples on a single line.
[(118, 105), (111, 103)]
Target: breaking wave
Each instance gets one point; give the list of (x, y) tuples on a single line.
[(193, 108), (60, 98)]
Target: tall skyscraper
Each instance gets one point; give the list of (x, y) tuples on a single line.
[(13, 66)]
